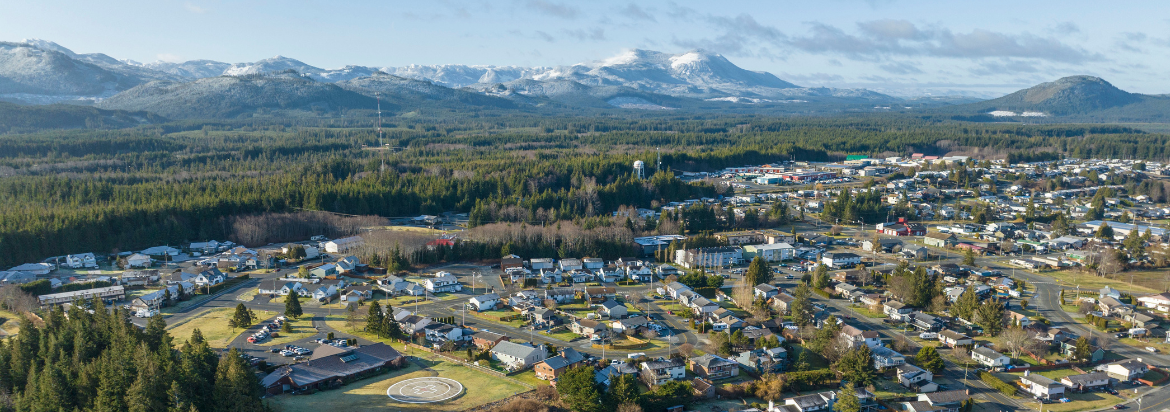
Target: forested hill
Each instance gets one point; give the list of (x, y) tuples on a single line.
[(19, 119), (74, 191), (1072, 99)]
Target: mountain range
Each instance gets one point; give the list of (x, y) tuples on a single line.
[(43, 72)]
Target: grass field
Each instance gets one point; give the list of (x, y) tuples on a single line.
[(10, 323), (1084, 402), (565, 336), (864, 311), (301, 328), (370, 394), (213, 323), (1147, 281)]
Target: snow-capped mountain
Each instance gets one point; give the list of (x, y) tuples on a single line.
[(194, 69), (40, 72), (458, 75), (272, 65)]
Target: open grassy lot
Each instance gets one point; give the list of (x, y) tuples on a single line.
[(301, 328), (1155, 343), (1085, 402), (1147, 281), (529, 377), (370, 394), (213, 323), (566, 336), (495, 315), (864, 311)]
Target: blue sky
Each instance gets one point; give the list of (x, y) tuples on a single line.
[(909, 46)]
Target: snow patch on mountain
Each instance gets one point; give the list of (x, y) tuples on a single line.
[(636, 103)]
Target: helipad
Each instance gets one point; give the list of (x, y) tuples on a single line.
[(424, 390)]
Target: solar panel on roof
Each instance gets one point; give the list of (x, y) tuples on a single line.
[(349, 358)]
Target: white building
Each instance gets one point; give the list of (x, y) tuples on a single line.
[(443, 282), (1041, 387), (990, 358), (343, 244), (517, 356), (709, 257)]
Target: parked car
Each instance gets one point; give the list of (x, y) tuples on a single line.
[(1152, 349)]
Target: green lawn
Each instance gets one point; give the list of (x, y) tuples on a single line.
[(370, 394), (213, 324), (864, 311), (495, 315), (1144, 281), (1084, 402), (1155, 343), (566, 336), (529, 377)]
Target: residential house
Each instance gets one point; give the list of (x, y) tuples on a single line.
[(589, 328), (657, 372), (138, 260), (324, 270), (1086, 381), (940, 240), (884, 357), (952, 339), (764, 291), (550, 369), (1126, 370), (347, 264), (945, 401), (484, 302), (487, 340), (442, 282), (781, 302), (1109, 292), (713, 367), (630, 325), (592, 263), (838, 260), (571, 264), (808, 403), (541, 264), (913, 377), (81, 260), (987, 357), (674, 288), (543, 317), (616, 368), (1041, 387), (357, 293), (560, 295), (439, 333), (760, 361), (896, 310), (855, 337), (518, 356), (1108, 305), (925, 322), (1159, 301), (612, 309)]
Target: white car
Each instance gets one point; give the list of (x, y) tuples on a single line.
[(1152, 349), (928, 335)]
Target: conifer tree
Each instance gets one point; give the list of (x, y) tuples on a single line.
[(929, 359), (236, 386), (292, 305), (847, 399), (374, 319), (759, 272)]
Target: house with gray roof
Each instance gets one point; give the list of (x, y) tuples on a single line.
[(552, 368), (518, 356)]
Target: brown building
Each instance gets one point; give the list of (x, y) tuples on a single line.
[(487, 340)]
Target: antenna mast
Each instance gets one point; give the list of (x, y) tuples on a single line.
[(659, 166)]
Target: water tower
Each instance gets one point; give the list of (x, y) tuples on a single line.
[(640, 169)]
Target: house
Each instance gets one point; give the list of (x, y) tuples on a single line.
[(325, 291), (884, 357), (629, 324), (896, 310), (613, 309), (82, 260), (1126, 370), (856, 337), (989, 358), (615, 369), (16, 278), (484, 302), (1041, 387), (925, 322), (511, 261), (657, 372), (560, 295), (347, 264), (517, 356), (209, 277), (1140, 320), (940, 240), (325, 270), (331, 367), (946, 401), (412, 325), (442, 282), (543, 317), (839, 260), (815, 402), (913, 377), (39, 269), (781, 302), (1086, 381), (1109, 305), (675, 288), (601, 294), (1159, 302), (487, 340), (357, 293), (138, 260), (915, 251), (588, 328), (343, 244), (713, 367), (571, 264), (952, 339), (552, 368), (883, 245), (702, 388), (1109, 292), (763, 360), (765, 291), (439, 333)]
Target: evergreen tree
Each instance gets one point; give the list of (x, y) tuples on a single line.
[(1082, 351), (929, 359), (242, 318), (802, 361), (374, 319), (821, 277), (857, 366), (623, 389), (1104, 232), (236, 387), (292, 305), (148, 392), (968, 257), (579, 391), (990, 317), (966, 305), (197, 372), (847, 400), (759, 272), (802, 308)]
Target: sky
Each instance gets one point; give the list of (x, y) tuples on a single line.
[(901, 47)]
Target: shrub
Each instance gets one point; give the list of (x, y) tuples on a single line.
[(997, 384)]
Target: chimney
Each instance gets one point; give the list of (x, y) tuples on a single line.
[(771, 405), (1026, 372)]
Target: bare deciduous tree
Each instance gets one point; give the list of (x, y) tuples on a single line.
[(1015, 340), (686, 349)]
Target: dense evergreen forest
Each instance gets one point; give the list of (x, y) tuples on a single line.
[(82, 361), (70, 191)]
